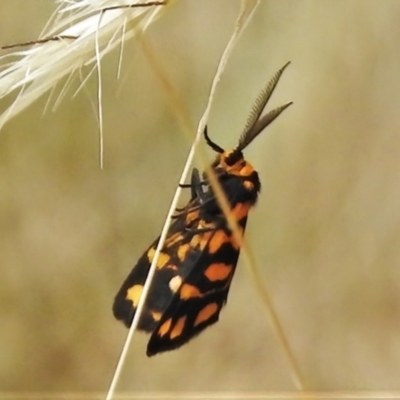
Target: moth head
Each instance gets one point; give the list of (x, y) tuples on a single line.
[(232, 162)]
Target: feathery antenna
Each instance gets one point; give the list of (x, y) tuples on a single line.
[(255, 123)]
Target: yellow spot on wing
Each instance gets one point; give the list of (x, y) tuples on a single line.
[(182, 251), (175, 238), (134, 293), (217, 272), (205, 239), (156, 315), (188, 291), (164, 328), (150, 254), (195, 240), (178, 328), (163, 259), (206, 313)]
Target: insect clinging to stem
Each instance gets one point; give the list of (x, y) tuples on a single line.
[(198, 259)]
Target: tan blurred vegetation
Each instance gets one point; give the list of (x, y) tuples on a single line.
[(324, 232)]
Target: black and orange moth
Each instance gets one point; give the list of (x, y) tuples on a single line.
[(198, 259)]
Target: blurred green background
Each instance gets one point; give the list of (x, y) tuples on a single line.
[(325, 231)]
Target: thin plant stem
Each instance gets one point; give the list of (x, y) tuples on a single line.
[(181, 115), (262, 290)]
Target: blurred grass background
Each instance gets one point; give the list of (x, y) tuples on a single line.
[(325, 232)]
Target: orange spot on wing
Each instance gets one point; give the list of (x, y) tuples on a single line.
[(164, 328), (188, 291), (178, 328), (219, 238), (217, 272), (206, 313), (133, 294), (241, 210), (191, 216)]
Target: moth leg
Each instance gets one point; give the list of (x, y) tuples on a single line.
[(189, 185), (180, 209), (201, 230), (184, 210), (195, 184)]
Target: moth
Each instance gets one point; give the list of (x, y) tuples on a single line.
[(198, 259)]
